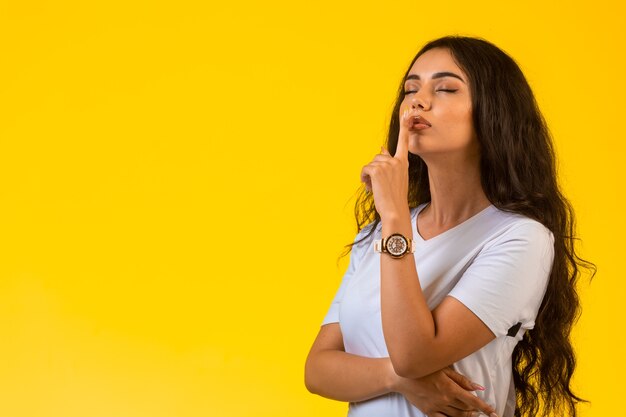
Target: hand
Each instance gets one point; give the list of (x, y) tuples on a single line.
[(387, 177), (443, 393)]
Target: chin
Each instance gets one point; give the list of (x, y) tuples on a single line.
[(415, 147)]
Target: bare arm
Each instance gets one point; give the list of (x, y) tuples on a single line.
[(335, 374), (419, 341)]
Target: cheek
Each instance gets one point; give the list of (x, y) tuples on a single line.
[(460, 120), (464, 116), (460, 129)]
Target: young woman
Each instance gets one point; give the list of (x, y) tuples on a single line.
[(460, 293)]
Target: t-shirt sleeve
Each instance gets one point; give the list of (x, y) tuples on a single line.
[(506, 282), (357, 252)]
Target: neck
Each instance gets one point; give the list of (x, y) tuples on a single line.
[(456, 191)]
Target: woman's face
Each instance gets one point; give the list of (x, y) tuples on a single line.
[(438, 90)]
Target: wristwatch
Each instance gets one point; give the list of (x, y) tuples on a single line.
[(395, 245)]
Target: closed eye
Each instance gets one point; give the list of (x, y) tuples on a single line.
[(441, 89)]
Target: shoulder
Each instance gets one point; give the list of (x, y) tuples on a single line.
[(518, 224), (514, 226)]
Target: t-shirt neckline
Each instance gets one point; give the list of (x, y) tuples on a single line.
[(449, 231)]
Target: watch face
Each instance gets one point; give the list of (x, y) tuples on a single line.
[(396, 245)]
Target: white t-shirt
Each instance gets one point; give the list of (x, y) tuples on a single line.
[(496, 263)]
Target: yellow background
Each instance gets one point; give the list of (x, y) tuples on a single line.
[(177, 182)]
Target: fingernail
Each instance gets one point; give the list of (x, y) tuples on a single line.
[(493, 415), (476, 414), (478, 387)]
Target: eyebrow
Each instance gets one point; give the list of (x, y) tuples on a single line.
[(435, 75)]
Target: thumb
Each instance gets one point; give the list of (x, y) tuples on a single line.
[(384, 151)]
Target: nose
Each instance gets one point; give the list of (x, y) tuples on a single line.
[(420, 101)]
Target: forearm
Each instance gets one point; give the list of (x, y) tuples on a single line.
[(346, 377), (408, 324)]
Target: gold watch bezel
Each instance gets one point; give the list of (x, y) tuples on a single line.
[(381, 245), (393, 238)]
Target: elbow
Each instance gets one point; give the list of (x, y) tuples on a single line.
[(309, 384), (312, 385), (412, 357), (309, 379), (311, 388), (407, 366)]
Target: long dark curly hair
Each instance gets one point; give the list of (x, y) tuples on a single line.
[(518, 174)]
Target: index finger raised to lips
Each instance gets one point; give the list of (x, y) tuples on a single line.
[(402, 149)]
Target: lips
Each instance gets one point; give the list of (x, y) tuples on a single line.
[(419, 123), (419, 120)]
